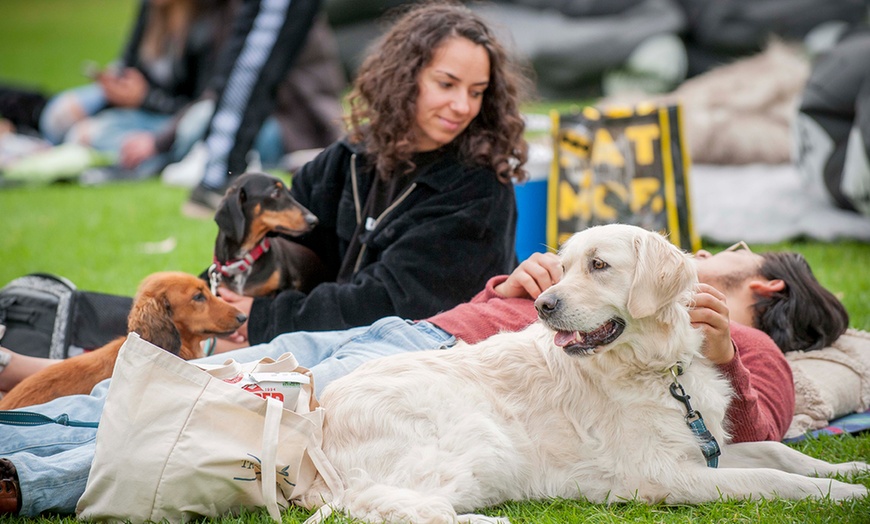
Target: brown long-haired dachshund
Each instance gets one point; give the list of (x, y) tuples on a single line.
[(175, 311)]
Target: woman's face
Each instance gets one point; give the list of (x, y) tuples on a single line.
[(451, 92)]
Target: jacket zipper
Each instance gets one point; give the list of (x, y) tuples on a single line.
[(356, 203), (377, 221)]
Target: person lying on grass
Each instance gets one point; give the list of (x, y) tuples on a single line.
[(749, 306)]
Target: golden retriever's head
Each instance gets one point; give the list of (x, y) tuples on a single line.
[(177, 311), (614, 276)]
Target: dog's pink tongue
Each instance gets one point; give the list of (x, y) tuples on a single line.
[(563, 338)]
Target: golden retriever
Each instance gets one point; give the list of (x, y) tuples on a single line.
[(175, 311), (576, 406)]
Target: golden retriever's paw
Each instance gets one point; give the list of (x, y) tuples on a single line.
[(845, 468), (843, 491), (857, 467)]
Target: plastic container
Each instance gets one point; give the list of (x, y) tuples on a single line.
[(531, 198)]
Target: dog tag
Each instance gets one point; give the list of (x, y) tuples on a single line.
[(371, 223)]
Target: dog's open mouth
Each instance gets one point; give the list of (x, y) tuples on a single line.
[(584, 343)]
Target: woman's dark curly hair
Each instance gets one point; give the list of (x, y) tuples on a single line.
[(804, 316), (383, 101)]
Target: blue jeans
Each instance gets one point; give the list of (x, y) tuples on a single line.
[(81, 115), (53, 461), (67, 108)]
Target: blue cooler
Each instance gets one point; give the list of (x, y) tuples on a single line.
[(532, 203)]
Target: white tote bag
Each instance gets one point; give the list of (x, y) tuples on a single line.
[(177, 442)]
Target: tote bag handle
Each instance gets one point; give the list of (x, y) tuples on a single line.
[(271, 427)]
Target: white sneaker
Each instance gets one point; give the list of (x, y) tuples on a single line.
[(188, 171)]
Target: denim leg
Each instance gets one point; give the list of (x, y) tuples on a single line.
[(107, 130), (309, 347), (53, 461), (269, 143), (333, 354), (152, 166), (388, 336), (53, 483), (68, 107)]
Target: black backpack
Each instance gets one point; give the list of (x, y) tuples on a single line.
[(44, 315)]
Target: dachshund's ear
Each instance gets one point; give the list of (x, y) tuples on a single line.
[(230, 216), (151, 317)]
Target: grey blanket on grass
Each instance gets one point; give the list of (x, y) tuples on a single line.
[(764, 204)]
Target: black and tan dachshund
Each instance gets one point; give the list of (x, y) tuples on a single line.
[(250, 256)]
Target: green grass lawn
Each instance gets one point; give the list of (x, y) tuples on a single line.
[(44, 43), (108, 238), (101, 238)]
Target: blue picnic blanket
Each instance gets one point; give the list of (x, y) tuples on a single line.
[(854, 423)]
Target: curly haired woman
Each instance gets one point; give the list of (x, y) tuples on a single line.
[(416, 204)]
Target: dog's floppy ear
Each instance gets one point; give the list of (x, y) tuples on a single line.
[(230, 216), (662, 273), (151, 317)]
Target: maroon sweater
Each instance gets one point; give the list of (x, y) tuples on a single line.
[(763, 403)]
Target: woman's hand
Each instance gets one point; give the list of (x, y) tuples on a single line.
[(710, 314), (126, 88), (240, 337), (532, 277), (137, 148)]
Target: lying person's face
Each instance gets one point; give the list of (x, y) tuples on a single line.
[(451, 92), (729, 268)]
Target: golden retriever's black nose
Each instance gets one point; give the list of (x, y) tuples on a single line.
[(241, 318), (546, 304)]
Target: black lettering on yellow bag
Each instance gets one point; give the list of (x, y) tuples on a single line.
[(628, 165)]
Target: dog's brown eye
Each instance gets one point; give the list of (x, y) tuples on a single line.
[(199, 297), (598, 264)]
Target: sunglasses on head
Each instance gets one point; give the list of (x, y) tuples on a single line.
[(738, 246)]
